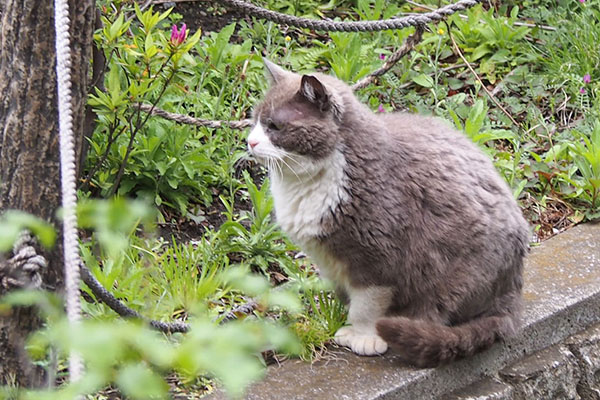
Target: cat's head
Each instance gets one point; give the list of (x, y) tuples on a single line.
[(299, 119)]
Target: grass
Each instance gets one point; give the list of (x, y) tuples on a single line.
[(216, 245)]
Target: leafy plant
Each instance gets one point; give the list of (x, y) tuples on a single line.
[(586, 155), (262, 243), (13, 222), (545, 77), (142, 68), (493, 40), (133, 357)]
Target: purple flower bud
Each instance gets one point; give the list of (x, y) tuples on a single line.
[(582, 1), (178, 36), (174, 33), (382, 56), (587, 78), (380, 109), (582, 90), (182, 33)]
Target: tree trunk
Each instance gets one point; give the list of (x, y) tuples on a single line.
[(29, 154)]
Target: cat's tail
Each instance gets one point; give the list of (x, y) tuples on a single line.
[(428, 344)]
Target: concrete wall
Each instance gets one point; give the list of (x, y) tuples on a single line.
[(569, 370)]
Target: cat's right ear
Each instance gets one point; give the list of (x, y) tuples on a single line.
[(274, 72)]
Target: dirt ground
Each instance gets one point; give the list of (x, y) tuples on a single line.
[(208, 15)]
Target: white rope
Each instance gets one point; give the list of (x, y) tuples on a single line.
[(67, 170)]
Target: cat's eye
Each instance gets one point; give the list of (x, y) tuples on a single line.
[(272, 125)]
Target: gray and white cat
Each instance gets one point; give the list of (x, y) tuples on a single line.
[(405, 215)]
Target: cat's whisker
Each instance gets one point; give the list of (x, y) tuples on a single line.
[(274, 167), (301, 165), (291, 169), (277, 169)]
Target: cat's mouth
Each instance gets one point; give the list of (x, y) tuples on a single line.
[(258, 158), (256, 154)]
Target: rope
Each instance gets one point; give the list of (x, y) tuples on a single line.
[(67, 169), (407, 46), (117, 306), (186, 119), (167, 327), (352, 26)]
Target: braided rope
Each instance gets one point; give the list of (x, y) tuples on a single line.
[(167, 327), (117, 306), (408, 45), (406, 48), (67, 169), (186, 119), (352, 26)]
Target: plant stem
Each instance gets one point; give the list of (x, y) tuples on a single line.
[(139, 126)]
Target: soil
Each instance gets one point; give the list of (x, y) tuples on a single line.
[(207, 15)]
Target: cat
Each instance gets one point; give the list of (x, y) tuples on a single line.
[(408, 218)]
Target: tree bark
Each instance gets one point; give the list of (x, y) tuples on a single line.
[(29, 154)]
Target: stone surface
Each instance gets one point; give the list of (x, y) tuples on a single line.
[(562, 297), (586, 346), (552, 373), (486, 389)]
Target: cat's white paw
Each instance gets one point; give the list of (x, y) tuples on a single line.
[(361, 342)]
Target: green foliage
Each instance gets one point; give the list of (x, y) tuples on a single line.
[(586, 155), (133, 357), (328, 310), (128, 153), (13, 222), (261, 243), (574, 54), (326, 314), (550, 158), (474, 125), (492, 40)]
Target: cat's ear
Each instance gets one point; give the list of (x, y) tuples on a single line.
[(274, 72), (313, 90)]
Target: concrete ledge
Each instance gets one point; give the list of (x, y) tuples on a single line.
[(562, 297)]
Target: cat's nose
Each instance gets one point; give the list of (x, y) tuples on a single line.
[(252, 143)]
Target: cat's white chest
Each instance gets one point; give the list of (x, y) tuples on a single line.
[(302, 202)]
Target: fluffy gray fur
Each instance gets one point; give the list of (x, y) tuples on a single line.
[(425, 216)]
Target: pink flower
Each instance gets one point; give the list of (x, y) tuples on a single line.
[(382, 56), (582, 90), (380, 109), (178, 37), (587, 78), (582, 1)]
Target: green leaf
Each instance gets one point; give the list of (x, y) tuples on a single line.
[(249, 283), (457, 122), (139, 382), (13, 222), (284, 299), (117, 28), (476, 117), (480, 51), (113, 85), (423, 80), (49, 303)]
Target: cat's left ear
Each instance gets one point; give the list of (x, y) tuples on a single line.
[(313, 90), (275, 73)]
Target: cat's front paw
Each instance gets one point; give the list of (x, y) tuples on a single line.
[(361, 342)]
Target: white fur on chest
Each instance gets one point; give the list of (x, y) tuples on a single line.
[(302, 200)]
